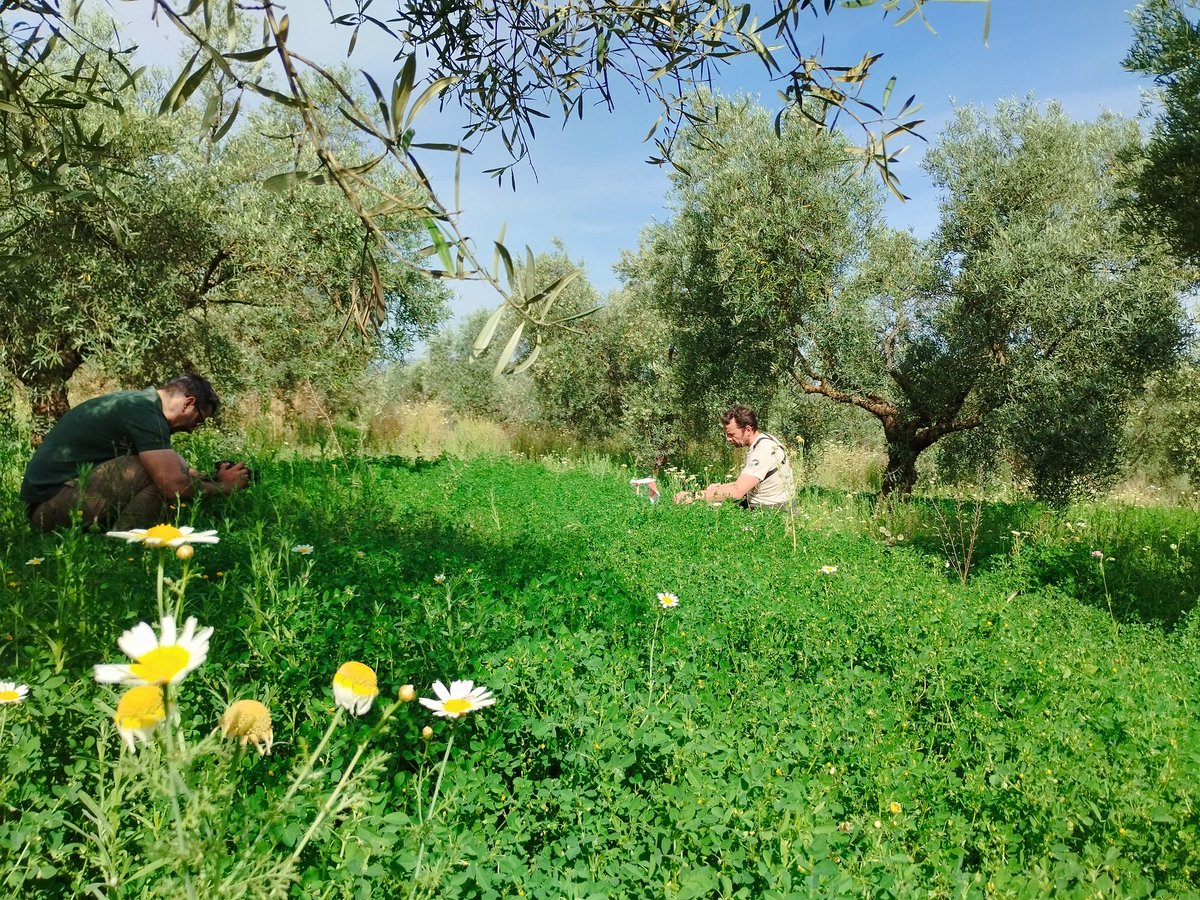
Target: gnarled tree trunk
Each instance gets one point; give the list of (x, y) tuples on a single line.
[(900, 476)]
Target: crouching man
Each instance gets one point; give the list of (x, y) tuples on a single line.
[(111, 458), (765, 481)]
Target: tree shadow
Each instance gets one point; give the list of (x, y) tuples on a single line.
[(1143, 576)]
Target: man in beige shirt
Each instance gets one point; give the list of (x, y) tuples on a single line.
[(766, 479)]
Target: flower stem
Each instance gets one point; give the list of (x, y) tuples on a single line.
[(180, 589), (1108, 597), (174, 747), (312, 759), (341, 785), (650, 682), (159, 584), (235, 872), (428, 817)]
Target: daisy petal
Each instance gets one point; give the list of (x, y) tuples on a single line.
[(137, 641), (111, 673), (169, 633)]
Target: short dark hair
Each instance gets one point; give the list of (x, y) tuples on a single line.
[(198, 388), (743, 415)]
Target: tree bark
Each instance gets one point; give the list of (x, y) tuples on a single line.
[(900, 476)]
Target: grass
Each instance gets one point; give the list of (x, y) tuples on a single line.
[(884, 730)]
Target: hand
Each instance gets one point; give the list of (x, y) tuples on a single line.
[(232, 476)]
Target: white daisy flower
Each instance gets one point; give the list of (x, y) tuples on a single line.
[(828, 570), (11, 692), (36, 561), (249, 721), (303, 549), (164, 659), (440, 578), (667, 600), (462, 697), (166, 536), (355, 687), (139, 712)]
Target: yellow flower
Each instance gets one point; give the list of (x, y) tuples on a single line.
[(163, 659), (894, 808), (667, 600), (166, 536), (462, 698), (355, 687), (11, 692), (250, 721), (139, 712)]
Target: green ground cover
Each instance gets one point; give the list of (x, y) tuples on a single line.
[(882, 730)]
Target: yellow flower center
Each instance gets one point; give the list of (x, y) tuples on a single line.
[(356, 677), (161, 534), (457, 706), (9, 696), (141, 707), (246, 718), (161, 664)]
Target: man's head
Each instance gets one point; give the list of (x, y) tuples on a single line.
[(189, 402), (740, 424)]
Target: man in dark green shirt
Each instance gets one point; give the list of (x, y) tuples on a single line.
[(110, 457)]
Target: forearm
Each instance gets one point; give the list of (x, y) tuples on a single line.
[(201, 485), (731, 490), (727, 491)]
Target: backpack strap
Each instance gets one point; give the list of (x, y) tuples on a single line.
[(766, 437)]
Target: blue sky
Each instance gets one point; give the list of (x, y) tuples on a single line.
[(591, 187), (595, 192)]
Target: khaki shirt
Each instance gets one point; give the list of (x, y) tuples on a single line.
[(767, 461)]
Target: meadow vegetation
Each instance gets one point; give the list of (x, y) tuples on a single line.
[(834, 707)]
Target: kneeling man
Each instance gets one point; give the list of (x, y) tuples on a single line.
[(122, 442), (765, 481)]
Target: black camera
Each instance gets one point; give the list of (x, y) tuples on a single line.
[(251, 475)]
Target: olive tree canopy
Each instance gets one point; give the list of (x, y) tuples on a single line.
[(1033, 311), (508, 65)]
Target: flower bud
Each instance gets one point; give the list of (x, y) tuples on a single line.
[(426, 733), (184, 551), (408, 693)]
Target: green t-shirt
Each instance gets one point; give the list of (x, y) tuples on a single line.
[(93, 432)]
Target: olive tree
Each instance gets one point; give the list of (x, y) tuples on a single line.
[(503, 64), (1033, 311), (1167, 48), (764, 231), (177, 258)]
